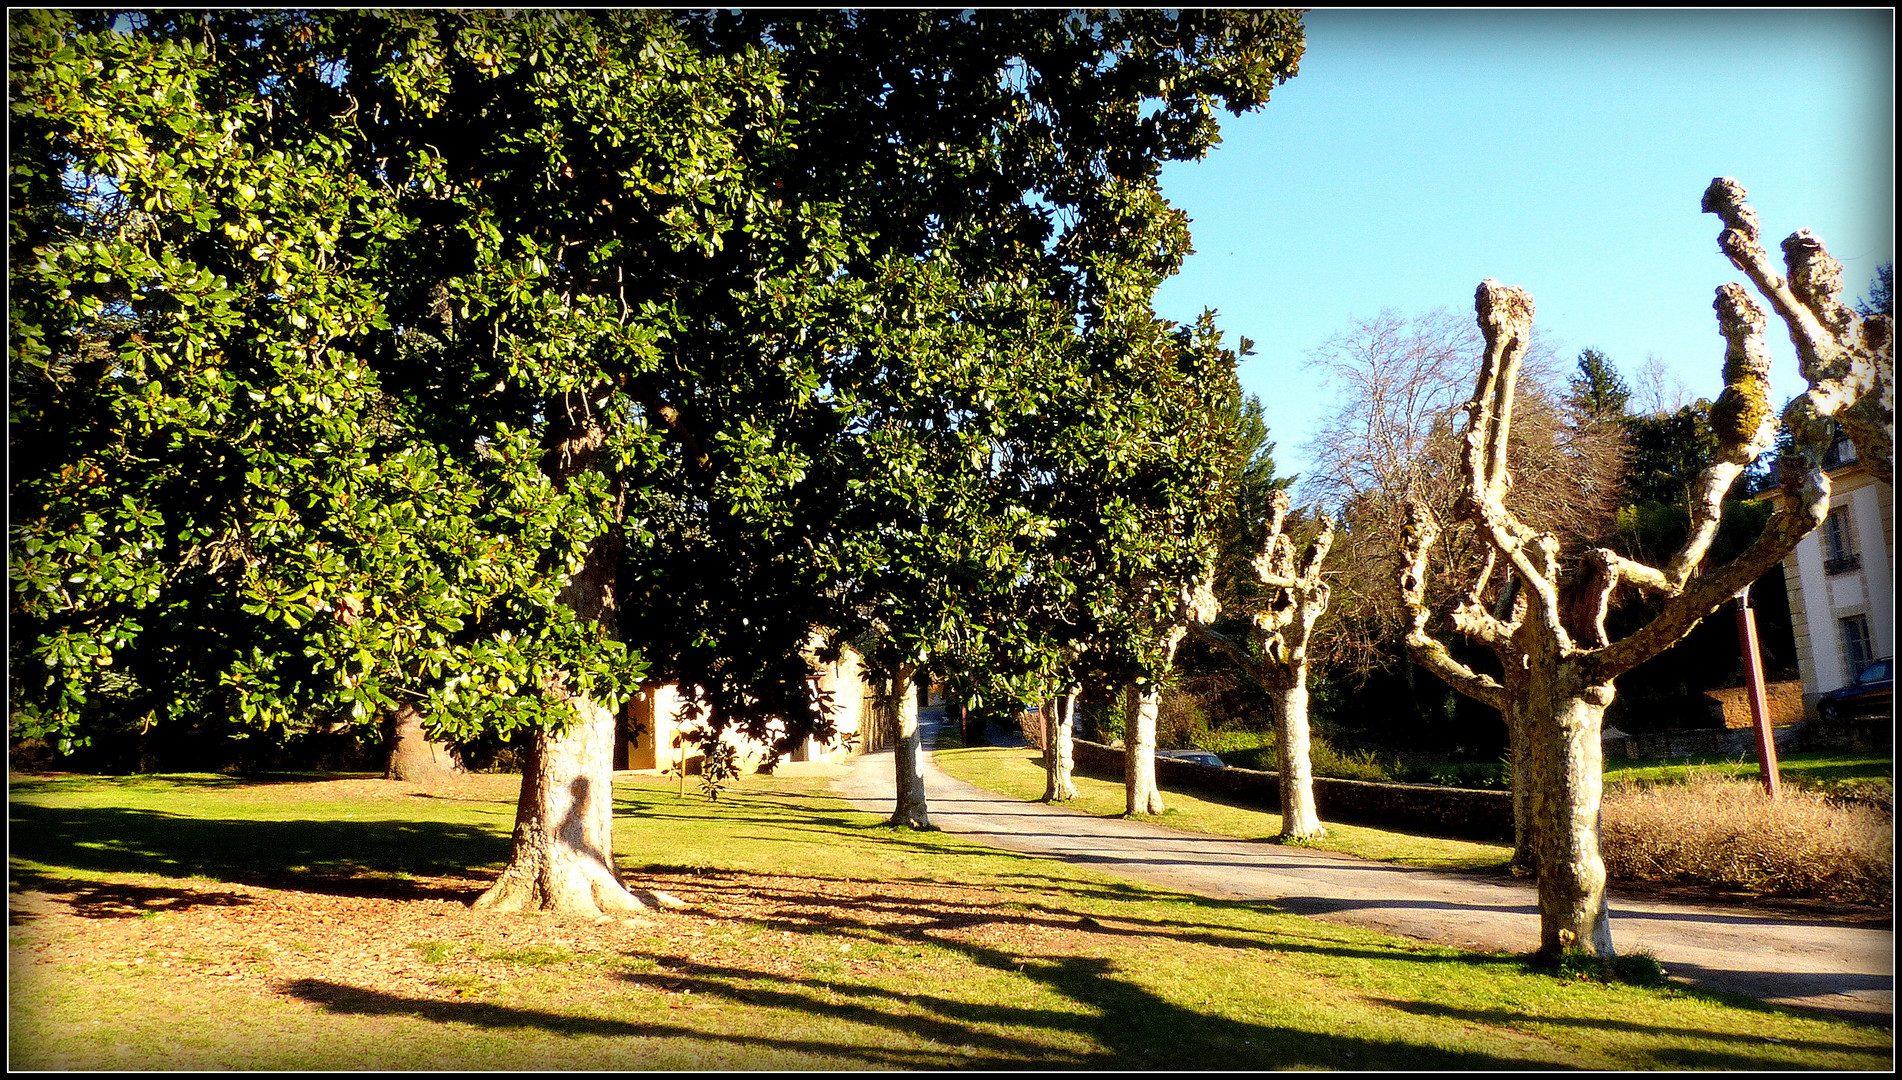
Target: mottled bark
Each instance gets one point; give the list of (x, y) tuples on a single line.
[(1557, 660), (1281, 622), (1141, 705), (1524, 778), (1568, 794), (417, 758), (1847, 358), (1299, 820), (1059, 744), (562, 858), (898, 707)]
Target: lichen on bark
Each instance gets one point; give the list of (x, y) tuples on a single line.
[(1557, 663)]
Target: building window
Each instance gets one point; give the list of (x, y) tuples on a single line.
[(1841, 452), (1839, 553), (1856, 644)]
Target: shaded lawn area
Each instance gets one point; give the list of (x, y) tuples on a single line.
[(195, 922)]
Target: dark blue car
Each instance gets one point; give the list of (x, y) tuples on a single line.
[(1200, 757), (1872, 694)]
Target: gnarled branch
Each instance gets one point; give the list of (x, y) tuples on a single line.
[(1505, 318), (1421, 533), (1848, 359)]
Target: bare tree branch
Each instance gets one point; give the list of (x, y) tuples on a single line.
[(1427, 650), (1847, 358)]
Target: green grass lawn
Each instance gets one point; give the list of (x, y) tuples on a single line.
[(1806, 768), (1018, 772), (194, 922)]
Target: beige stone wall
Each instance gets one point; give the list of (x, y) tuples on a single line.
[(662, 738), (1785, 700)]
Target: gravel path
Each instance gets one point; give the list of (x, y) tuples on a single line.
[(1786, 959)]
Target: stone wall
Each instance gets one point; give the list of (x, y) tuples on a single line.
[(1419, 808), (1730, 706), (1865, 734), (1704, 741)]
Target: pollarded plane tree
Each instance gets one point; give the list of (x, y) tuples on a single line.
[(1404, 382), (1547, 627), (1275, 653), (1142, 697)]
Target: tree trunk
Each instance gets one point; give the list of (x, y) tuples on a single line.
[(562, 858), (563, 853), (416, 757), (1525, 852), (1299, 821), (1566, 799), (1142, 796), (1058, 754), (900, 704)]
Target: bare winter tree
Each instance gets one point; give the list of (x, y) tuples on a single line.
[(1656, 390), (1276, 652), (1557, 665), (1402, 383)]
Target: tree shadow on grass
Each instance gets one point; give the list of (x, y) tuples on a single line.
[(341, 998), (368, 858), (112, 900), (33, 782), (1130, 1026), (1137, 1026), (1681, 1058), (877, 907)]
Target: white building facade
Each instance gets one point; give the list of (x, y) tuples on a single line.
[(1842, 580)]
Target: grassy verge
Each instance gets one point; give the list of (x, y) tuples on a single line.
[(1833, 772), (1720, 830), (1019, 773), (199, 923)]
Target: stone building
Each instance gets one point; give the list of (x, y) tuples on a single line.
[(657, 737), (1842, 579)]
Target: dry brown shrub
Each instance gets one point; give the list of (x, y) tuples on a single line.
[(1728, 833)]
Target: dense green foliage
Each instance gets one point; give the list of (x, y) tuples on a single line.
[(1598, 391), (477, 360), (219, 508)]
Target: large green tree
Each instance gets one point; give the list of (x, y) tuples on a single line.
[(406, 412), (218, 507), (431, 340)]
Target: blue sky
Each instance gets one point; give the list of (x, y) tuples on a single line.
[(1566, 152)]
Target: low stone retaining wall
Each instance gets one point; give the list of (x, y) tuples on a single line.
[(1699, 741), (1858, 734), (1420, 808)]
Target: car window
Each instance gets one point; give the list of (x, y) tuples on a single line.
[(1875, 672)]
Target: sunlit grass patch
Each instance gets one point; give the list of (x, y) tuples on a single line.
[(817, 940), (1017, 772)]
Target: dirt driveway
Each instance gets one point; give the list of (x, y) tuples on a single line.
[(1845, 969)]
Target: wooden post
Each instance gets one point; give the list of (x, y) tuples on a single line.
[(1759, 698)]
